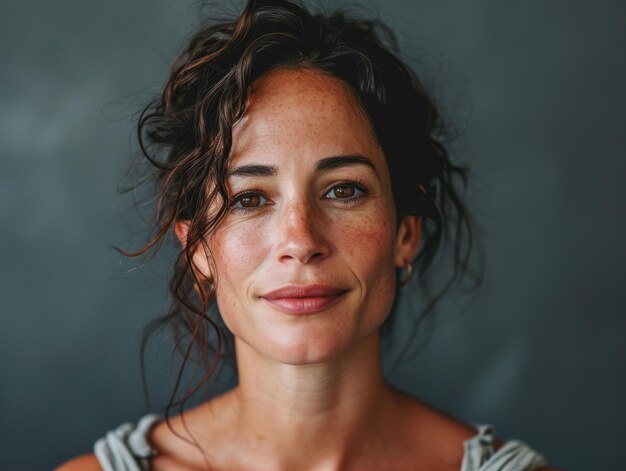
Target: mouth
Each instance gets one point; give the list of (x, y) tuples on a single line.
[(304, 299)]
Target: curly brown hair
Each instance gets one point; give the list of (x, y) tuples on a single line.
[(186, 134)]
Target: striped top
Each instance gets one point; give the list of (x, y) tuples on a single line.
[(127, 449)]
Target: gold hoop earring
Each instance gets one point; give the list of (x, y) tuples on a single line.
[(409, 275)]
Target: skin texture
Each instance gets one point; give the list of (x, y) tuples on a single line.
[(311, 394), (300, 232)]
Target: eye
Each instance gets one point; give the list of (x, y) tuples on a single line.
[(346, 192), (248, 202), (343, 191)]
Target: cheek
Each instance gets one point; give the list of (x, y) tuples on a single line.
[(234, 252), (237, 248), (371, 251), (370, 242)]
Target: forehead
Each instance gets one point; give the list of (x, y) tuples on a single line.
[(293, 109)]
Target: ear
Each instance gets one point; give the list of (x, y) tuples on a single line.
[(200, 257), (181, 228), (408, 240)]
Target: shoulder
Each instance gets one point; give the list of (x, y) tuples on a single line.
[(424, 420), (180, 442), (125, 445), (450, 439), (87, 462), (178, 437), (429, 434)]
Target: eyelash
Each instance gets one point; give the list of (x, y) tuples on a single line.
[(359, 185), (239, 196)]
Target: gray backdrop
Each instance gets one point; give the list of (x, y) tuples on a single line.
[(538, 90)]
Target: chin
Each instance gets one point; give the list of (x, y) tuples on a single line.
[(307, 339), (308, 346)]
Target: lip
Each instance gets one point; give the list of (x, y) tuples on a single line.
[(304, 299)]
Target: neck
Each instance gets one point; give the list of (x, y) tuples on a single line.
[(326, 412)]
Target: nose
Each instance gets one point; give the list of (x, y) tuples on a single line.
[(301, 234)]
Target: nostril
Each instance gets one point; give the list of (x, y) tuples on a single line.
[(303, 251), (316, 255), (300, 236), (302, 256)]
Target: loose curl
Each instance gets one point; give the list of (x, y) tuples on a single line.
[(186, 134)]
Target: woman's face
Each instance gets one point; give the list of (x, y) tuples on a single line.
[(306, 256)]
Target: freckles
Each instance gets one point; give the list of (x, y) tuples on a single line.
[(238, 248), (370, 238)]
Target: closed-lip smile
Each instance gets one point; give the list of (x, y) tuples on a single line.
[(304, 299)]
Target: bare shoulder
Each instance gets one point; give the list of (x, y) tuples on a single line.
[(424, 419), (441, 431), (180, 441), (87, 462), (430, 436)]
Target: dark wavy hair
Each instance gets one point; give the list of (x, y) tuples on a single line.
[(186, 134)]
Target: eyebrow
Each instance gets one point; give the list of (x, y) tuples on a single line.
[(252, 171), (328, 163)]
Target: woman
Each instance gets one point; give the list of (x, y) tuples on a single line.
[(300, 167)]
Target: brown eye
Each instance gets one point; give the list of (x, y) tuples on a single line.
[(250, 201), (344, 191)]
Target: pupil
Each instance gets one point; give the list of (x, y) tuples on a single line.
[(249, 201), (344, 191)]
